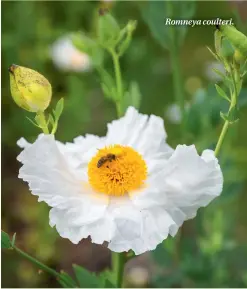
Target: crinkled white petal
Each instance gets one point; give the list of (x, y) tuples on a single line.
[(22, 143), (145, 134), (186, 183), (178, 183), (140, 230), (52, 179), (195, 181), (84, 148), (68, 227)]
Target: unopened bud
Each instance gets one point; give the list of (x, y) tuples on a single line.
[(131, 26), (108, 29), (29, 89), (237, 38)]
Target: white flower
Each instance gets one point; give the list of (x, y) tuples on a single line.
[(132, 200), (139, 277), (173, 112), (66, 57)]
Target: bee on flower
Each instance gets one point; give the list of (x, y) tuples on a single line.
[(133, 200), (67, 57)]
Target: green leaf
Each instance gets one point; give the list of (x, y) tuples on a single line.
[(38, 119), (107, 84), (214, 54), (219, 73), (122, 47), (221, 92), (59, 108), (66, 281), (88, 46), (5, 241), (107, 92), (231, 116), (32, 122), (51, 120), (107, 278), (85, 278), (224, 116), (108, 284), (227, 49), (153, 14), (82, 42), (156, 13), (63, 283)]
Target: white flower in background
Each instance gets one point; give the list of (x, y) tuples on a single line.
[(139, 277), (128, 188), (173, 112), (212, 75), (67, 57)]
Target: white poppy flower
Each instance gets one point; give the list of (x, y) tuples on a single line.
[(128, 188), (67, 57)]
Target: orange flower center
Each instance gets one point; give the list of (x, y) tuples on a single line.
[(116, 170)]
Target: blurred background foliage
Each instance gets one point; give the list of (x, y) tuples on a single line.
[(209, 251)]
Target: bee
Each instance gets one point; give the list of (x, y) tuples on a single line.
[(103, 160)]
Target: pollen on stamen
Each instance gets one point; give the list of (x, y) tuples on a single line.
[(116, 170)]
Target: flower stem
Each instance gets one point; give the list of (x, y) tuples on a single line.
[(38, 263), (234, 95), (119, 86), (118, 262), (42, 122), (221, 138)]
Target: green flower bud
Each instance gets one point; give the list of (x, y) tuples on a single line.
[(29, 89), (108, 29), (131, 26), (237, 38)]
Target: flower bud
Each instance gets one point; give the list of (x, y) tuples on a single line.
[(237, 38), (108, 29), (29, 89)]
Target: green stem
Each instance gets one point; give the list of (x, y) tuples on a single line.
[(221, 138), (227, 123), (43, 122), (119, 86), (36, 262), (118, 262)]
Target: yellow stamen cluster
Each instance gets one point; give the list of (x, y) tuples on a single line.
[(116, 170)]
